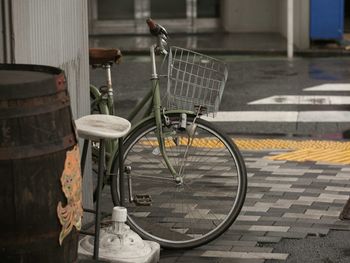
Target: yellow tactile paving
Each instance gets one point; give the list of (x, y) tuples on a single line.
[(204, 142), (301, 150)]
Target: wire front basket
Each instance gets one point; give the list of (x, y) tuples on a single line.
[(194, 80)]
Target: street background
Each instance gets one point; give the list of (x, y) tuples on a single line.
[(272, 89), (283, 114)]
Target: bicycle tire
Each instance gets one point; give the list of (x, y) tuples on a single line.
[(212, 193)]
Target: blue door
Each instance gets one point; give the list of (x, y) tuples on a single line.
[(326, 19)]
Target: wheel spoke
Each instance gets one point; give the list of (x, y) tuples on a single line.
[(198, 208)]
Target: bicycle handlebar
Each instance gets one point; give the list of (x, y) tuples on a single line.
[(161, 34)]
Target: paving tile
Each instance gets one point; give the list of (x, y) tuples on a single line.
[(292, 235), (285, 199), (298, 208), (282, 179), (218, 247), (169, 260), (248, 218), (310, 230), (196, 259), (291, 196), (255, 209), (269, 228), (300, 215), (262, 239), (246, 255), (289, 189), (316, 199), (273, 194), (269, 185), (260, 223), (277, 219), (252, 249), (272, 205), (322, 213), (321, 206), (233, 243), (278, 211), (294, 224), (240, 260)]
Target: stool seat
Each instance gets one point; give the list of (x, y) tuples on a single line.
[(101, 126)]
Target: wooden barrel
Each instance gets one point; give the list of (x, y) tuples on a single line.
[(36, 132)]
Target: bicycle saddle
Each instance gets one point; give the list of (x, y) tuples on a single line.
[(101, 56)]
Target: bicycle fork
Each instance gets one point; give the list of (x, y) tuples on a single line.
[(159, 115)]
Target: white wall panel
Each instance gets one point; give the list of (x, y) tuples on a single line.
[(55, 33), (251, 16), (2, 34), (267, 16)]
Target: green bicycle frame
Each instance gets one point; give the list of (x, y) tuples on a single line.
[(152, 99)]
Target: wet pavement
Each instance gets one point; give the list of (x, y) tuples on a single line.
[(294, 196), (246, 43), (222, 43), (255, 99), (288, 200)]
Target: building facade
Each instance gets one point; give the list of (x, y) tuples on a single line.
[(197, 16)]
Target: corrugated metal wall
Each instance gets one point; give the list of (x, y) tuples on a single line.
[(5, 37), (55, 33), (2, 34)]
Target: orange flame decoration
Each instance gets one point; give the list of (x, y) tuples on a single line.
[(71, 181)]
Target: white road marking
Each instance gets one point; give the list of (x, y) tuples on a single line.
[(304, 100), (330, 87), (294, 116), (281, 116)]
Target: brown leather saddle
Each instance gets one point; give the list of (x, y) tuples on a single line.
[(103, 56)]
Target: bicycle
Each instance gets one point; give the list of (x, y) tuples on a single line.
[(185, 180)]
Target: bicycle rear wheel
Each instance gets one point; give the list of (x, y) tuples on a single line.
[(191, 212)]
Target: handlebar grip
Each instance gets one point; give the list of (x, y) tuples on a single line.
[(161, 34), (153, 27), (151, 24), (156, 29)]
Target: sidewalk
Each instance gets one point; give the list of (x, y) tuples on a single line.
[(295, 195), (293, 199), (286, 200)]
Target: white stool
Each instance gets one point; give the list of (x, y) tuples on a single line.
[(101, 127)]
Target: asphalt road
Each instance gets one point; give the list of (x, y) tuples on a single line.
[(263, 95), (259, 89)]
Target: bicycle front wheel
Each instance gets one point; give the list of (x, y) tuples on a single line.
[(201, 203)]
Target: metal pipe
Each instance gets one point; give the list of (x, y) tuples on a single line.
[(12, 35), (4, 30), (121, 171), (153, 60), (290, 29), (7, 29), (98, 199), (83, 156)]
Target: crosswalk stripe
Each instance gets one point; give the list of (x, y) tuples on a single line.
[(330, 87), (304, 100), (281, 116), (314, 115)]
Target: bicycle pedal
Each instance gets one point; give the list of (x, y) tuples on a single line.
[(143, 200)]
